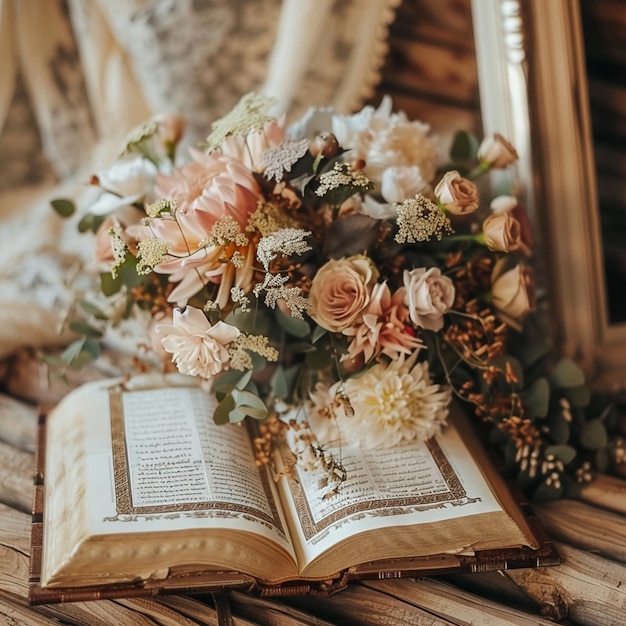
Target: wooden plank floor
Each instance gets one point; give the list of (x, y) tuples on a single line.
[(586, 589)]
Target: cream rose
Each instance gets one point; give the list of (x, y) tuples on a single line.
[(502, 232), (496, 152), (340, 291), (429, 295), (512, 292), (457, 194), (197, 348)]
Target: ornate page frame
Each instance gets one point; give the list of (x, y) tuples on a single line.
[(533, 86)]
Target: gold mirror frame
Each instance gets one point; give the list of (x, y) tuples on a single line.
[(533, 89)]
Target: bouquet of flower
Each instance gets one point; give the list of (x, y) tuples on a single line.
[(334, 271)]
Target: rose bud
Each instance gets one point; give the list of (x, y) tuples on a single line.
[(496, 152), (325, 145)]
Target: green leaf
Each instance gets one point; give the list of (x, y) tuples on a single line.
[(244, 380), (89, 351), (602, 459), (559, 428), (532, 353), (73, 350), (93, 310), (64, 207), (537, 398), (318, 333), (546, 493), (253, 322), (83, 328), (90, 222), (236, 415), (223, 409), (567, 374), (110, 285), (464, 147), (562, 452), (319, 359), (279, 383), (300, 347), (578, 396), (292, 325), (250, 404), (593, 435)]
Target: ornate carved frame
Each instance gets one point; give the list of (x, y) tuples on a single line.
[(533, 87)]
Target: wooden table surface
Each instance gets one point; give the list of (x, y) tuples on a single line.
[(588, 588)]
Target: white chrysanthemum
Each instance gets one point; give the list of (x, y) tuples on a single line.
[(392, 403)]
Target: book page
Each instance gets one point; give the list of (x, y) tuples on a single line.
[(162, 459), (410, 484)]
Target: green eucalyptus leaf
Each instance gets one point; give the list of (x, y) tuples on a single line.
[(602, 459), (244, 380), (559, 428), (571, 488), (318, 333), (546, 492), (93, 310), (567, 374), (83, 328), (54, 361), (464, 147), (250, 404), (90, 352), (279, 383), (223, 410), (536, 398), (319, 359), (253, 322), (532, 353), (64, 207), (293, 325), (73, 350), (578, 396), (300, 347), (593, 435), (562, 452), (110, 285), (236, 415)]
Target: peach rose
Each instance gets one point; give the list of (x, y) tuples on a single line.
[(456, 194), (197, 348), (340, 291), (429, 295), (502, 232), (512, 292), (496, 152)]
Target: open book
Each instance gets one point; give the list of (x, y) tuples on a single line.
[(141, 492)]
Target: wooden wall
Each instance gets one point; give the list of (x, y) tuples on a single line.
[(430, 70)]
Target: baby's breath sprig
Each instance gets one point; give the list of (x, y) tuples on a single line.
[(420, 219)]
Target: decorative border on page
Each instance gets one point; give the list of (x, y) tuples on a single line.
[(454, 495), (126, 512)]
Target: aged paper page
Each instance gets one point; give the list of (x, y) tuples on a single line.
[(411, 484)]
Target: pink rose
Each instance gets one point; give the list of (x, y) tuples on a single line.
[(496, 152), (456, 194), (510, 205), (502, 232), (512, 292), (340, 291), (197, 348), (429, 296)]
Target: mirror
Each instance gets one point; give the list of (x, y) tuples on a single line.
[(534, 86)]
